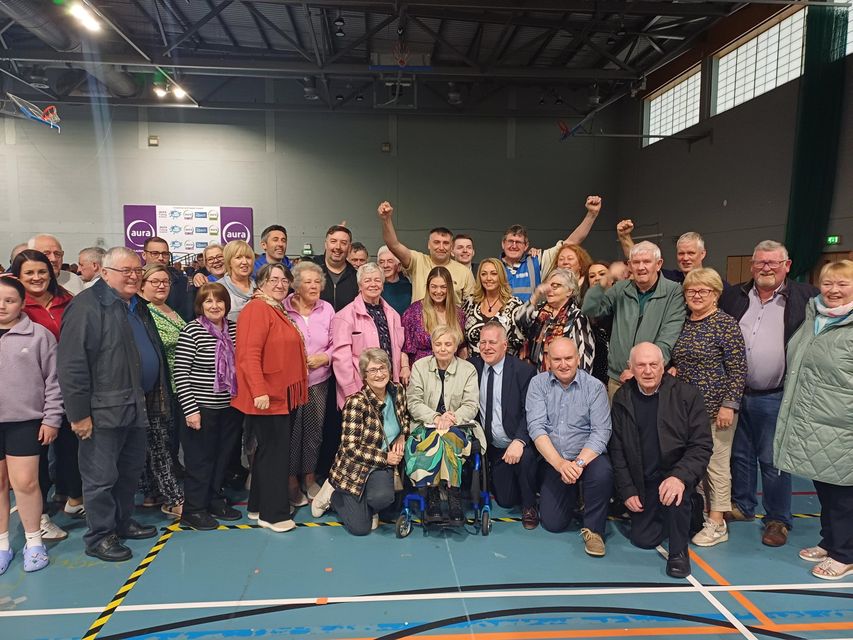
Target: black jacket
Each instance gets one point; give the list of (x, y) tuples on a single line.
[(98, 363), (516, 378), (181, 295), (735, 302), (684, 430), (341, 294)]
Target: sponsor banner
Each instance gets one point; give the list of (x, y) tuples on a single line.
[(186, 229)]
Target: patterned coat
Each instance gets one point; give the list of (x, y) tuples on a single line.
[(362, 437)]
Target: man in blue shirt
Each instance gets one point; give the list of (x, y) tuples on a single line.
[(568, 418), (274, 244)]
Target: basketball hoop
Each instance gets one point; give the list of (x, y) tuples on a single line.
[(49, 114), (400, 51), (25, 109)]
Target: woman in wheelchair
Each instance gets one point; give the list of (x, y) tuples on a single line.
[(443, 399)]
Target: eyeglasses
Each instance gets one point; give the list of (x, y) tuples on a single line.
[(773, 264), (159, 254), (697, 293), (157, 283), (515, 242), (376, 371), (128, 272), (58, 254), (279, 281), (216, 259)]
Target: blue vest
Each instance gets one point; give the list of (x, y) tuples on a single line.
[(524, 279)]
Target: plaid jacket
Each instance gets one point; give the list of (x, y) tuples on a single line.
[(362, 437)]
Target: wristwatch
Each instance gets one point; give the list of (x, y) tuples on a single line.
[(580, 462)]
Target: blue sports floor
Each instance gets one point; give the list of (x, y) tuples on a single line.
[(319, 582)]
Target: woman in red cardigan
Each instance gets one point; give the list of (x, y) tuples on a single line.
[(272, 380)]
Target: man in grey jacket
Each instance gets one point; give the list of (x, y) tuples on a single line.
[(109, 360)]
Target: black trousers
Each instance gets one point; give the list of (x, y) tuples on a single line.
[(513, 484), (836, 520), (111, 463), (356, 513), (268, 494), (206, 454), (558, 500), (331, 431), (655, 522)]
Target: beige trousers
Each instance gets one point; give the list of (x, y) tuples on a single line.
[(718, 477), (612, 388)]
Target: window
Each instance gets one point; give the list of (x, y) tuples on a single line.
[(770, 59), (675, 109)]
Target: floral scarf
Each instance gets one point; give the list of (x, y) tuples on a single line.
[(826, 317), (226, 371)]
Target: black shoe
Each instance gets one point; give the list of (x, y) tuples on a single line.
[(200, 520), (678, 565), (433, 513), (110, 549), (136, 531), (454, 505), (222, 511)]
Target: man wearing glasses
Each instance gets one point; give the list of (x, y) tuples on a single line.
[(769, 308), (156, 251), (646, 309), (49, 245), (111, 364)]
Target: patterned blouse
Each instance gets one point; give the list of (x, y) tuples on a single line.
[(541, 327), (418, 343), (169, 330), (710, 355), (475, 319)]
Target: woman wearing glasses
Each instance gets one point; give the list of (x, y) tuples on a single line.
[(159, 481), (710, 355), (553, 312)]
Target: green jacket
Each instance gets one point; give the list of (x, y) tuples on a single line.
[(814, 431), (661, 322)]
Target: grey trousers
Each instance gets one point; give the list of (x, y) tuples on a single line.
[(111, 463), (356, 513)]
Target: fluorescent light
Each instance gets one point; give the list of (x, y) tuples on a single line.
[(84, 16), (179, 93), (160, 91)]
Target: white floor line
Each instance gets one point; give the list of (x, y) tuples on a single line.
[(728, 615), (13, 510), (447, 595), (459, 587)]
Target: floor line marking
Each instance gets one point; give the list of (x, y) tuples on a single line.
[(448, 595), (702, 590), (742, 599), (115, 603)]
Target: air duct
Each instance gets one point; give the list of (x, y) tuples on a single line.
[(42, 20)]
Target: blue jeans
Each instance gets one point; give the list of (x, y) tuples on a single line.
[(753, 440)]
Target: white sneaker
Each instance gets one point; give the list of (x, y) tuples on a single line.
[(322, 500), (375, 522), (313, 490), (711, 534), (253, 515), (49, 531), (279, 527)]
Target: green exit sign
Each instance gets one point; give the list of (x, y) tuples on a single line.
[(833, 240)]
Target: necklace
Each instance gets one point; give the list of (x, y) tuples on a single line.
[(490, 306)]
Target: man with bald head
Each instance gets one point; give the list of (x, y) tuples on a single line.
[(568, 419), (660, 448), (49, 245)]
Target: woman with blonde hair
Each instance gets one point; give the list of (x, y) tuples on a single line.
[(438, 307), (492, 300), (239, 263)]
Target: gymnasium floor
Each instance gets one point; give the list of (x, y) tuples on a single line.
[(319, 582)]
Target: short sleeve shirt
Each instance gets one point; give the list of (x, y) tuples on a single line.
[(422, 264)]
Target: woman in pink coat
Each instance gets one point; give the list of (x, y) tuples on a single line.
[(368, 321)]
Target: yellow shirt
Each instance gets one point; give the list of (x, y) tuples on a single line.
[(422, 264)]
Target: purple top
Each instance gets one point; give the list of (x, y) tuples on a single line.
[(29, 388), (317, 333), (418, 343)]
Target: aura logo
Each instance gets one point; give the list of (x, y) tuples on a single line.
[(235, 231), (138, 232)]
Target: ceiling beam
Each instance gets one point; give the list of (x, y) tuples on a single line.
[(437, 36), (223, 24), (362, 39), (258, 14), (180, 18), (259, 26), (197, 26)]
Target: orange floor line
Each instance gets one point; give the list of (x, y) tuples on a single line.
[(737, 595)]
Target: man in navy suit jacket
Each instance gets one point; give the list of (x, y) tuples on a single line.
[(512, 457)]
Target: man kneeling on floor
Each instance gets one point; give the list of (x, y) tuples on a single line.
[(568, 419), (661, 446)]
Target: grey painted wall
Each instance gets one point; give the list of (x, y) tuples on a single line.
[(733, 188), (306, 171)]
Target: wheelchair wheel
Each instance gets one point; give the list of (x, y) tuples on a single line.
[(403, 527), (485, 523)]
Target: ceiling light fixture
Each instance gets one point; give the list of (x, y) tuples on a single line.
[(339, 33), (84, 16), (454, 96), (309, 89), (179, 93), (339, 21), (160, 89)]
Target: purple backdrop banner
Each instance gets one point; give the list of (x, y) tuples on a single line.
[(186, 229)]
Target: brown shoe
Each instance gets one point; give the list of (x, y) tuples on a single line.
[(736, 515), (775, 534), (530, 517), (593, 543)]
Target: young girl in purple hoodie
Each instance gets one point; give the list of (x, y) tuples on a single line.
[(30, 418)]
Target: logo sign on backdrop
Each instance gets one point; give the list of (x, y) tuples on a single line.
[(185, 229)]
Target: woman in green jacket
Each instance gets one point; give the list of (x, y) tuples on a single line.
[(814, 433)]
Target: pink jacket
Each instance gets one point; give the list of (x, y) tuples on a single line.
[(353, 331), (317, 333)]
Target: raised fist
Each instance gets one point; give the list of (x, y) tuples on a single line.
[(385, 210), (624, 228), (593, 204)]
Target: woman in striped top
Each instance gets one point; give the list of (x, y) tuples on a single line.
[(205, 376)]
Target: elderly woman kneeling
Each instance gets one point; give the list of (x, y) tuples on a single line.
[(375, 426), (443, 394)]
